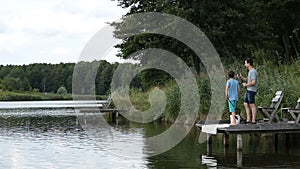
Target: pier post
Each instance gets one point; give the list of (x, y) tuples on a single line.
[(226, 140), (239, 159), (208, 139), (113, 116), (287, 138), (276, 141), (239, 142), (209, 143)]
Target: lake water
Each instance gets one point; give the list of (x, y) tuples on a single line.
[(41, 138)]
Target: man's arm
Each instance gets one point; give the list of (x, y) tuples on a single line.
[(252, 83), (240, 76)]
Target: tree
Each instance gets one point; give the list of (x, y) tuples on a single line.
[(12, 84), (104, 78), (236, 28), (283, 16), (62, 90)]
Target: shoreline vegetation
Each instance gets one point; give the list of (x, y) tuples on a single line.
[(37, 96), (271, 79), (32, 96)]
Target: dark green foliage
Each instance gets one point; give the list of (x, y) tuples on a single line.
[(173, 102), (104, 77), (48, 78), (154, 78), (236, 28), (264, 30), (62, 90)]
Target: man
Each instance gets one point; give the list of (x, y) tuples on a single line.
[(251, 85)]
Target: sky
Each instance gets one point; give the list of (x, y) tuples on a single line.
[(52, 31)]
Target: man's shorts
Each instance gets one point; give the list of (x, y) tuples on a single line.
[(232, 105), (249, 97)]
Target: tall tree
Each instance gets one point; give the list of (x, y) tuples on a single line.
[(284, 17), (236, 28)]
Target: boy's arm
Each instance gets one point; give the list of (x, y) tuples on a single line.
[(226, 92)]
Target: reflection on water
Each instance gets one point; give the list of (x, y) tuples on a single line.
[(43, 141), (54, 139), (259, 151), (211, 162)]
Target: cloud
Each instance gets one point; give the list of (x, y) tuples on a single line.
[(12, 41), (33, 30)]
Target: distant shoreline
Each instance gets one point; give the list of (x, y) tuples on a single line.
[(32, 96), (36, 96)]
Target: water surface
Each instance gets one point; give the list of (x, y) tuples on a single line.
[(50, 138)]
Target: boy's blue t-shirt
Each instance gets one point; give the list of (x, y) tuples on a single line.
[(233, 86)]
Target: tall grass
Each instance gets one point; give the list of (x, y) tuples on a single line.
[(271, 79), (140, 100)]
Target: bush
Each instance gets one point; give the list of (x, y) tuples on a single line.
[(62, 90), (35, 90)]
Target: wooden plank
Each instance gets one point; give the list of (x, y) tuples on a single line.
[(263, 127), (201, 123), (52, 104)]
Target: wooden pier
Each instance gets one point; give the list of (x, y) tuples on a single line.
[(286, 127), (274, 129), (240, 129), (82, 107), (54, 104)]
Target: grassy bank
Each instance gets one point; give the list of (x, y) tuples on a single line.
[(140, 100), (271, 79), (35, 96), (32, 96)]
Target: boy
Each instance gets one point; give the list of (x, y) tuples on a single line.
[(232, 92)]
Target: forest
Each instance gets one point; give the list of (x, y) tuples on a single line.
[(49, 78), (237, 29)]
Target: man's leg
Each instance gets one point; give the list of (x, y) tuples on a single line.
[(246, 105), (253, 110)]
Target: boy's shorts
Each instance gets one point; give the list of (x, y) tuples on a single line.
[(232, 105), (249, 97)]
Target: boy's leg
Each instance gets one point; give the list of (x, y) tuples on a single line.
[(232, 109), (233, 118)]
